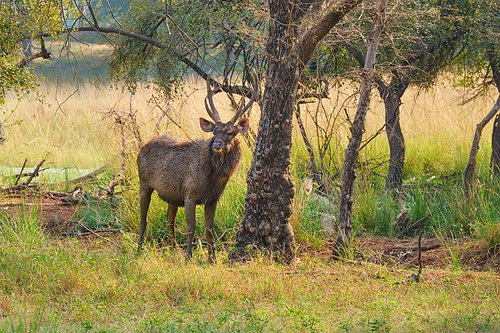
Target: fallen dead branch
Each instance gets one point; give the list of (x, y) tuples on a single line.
[(84, 178), (21, 173), (26, 184), (17, 188), (74, 197), (34, 173)]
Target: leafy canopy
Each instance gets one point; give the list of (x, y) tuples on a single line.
[(23, 20)]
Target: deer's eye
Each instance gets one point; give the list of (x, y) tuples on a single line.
[(230, 133)]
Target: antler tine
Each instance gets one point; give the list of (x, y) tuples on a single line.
[(241, 109), (212, 111)]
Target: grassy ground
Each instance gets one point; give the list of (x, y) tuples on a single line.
[(66, 285), (58, 285)]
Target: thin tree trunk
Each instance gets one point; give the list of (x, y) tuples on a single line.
[(495, 146), (2, 138), (396, 140), (471, 165), (358, 127), (495, 135), (312, 159)]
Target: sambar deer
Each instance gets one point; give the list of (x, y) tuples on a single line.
[(190, 173)]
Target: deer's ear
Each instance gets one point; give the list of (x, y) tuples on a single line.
[(243, 125), (206, 126)]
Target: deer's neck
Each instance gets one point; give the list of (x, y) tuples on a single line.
[(225, 162)]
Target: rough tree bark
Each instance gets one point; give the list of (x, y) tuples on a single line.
[(265, 226), (357, 129), (495, 146), (471, 165), (270, 185), (394, 179), (495, 135)]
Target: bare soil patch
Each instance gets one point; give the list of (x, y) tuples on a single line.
[(56, 215), (403, 253)]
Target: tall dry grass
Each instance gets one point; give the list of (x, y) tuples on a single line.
[(72, 129), (77, 129), (76, 126), (437, 125)]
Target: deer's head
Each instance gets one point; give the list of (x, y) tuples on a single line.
[(224, 133)]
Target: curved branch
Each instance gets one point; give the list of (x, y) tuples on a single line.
[(314, 35), (239, 90), (471, 165), (44, 54), (360, 58)]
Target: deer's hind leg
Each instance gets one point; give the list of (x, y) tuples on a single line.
[(190, 212), (145, 199), (171, 212)]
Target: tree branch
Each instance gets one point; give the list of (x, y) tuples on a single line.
[(471, 165), (313, 36), (239, 90), (360, 58), (92, 14), (42, 54), (494, 62)]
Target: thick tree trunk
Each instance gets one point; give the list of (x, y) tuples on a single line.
[(495, 146), (358, 127), (396, 140), (265, 225), (471, 165)]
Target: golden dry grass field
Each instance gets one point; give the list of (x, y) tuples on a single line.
[(72, 128)]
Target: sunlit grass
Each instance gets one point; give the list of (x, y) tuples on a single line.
[(72, 129), (73, 286)]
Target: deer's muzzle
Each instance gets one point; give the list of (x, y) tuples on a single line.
[(218, 145)]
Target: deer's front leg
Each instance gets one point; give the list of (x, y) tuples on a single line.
[(190, 212), (171, 212), (209, 226)]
